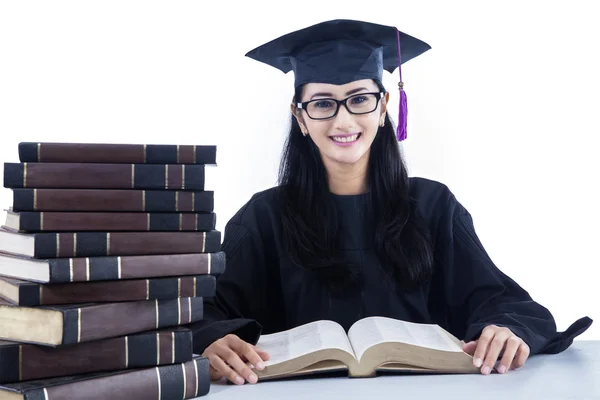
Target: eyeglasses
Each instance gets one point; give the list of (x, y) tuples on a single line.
[(362, 103)]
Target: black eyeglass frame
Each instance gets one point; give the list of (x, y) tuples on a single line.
[(304, 105)]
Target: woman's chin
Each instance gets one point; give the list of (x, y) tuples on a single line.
[(347, 157)]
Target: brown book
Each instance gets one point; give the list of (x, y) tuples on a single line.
[(372, 345), (65, 221), (86, 269), (112, 200), (104, 176), (30, 294), (124, 153), (79, 323), (98, 244), (166, 382), (25, 362)]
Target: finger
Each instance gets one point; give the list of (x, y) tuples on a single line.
[(240, 367), (262, 354), (470, 347), (494, 349), (510, 350), (214, 374), (521, 356), (224, 370), (482, 345), (248, 351)]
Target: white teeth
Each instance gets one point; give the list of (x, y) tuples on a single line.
[(345, 139)]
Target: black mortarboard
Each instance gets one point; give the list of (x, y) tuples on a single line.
[(342, 51)]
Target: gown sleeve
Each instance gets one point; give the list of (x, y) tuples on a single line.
[(477, 293), (241, 296)]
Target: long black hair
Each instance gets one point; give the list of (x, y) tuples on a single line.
[(310, 224)]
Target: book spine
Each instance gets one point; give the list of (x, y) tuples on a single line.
[(26, 362), (117, 153), (10, 363), (103, 321), (104, 176), (112, 200), (35, 294), (167, 382), (94, 244), (86, 269), (42, 221)]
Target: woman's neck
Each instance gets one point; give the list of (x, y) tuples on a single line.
[(347, 179)]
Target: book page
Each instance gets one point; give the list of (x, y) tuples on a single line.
[(374, 330), (305, 339)]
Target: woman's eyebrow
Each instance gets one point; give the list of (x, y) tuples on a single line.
[(327, 94)]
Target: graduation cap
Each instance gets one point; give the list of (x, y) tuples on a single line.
[(341, 51)]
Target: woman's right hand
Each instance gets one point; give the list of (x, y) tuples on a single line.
[(228, 357)]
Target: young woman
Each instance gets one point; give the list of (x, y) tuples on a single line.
[(347, 234)]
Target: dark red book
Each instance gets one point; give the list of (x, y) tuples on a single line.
[(110, 268), (94, 244), (180, 381), (25, 362), (30, 294), (104, 176), (112, 200), (67, 221), (123, 153)]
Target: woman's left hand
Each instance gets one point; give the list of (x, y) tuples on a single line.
[(493, 342)]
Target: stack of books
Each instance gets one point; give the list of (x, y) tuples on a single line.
[(106, 254)]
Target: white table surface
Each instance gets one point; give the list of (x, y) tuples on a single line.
[(572, 374)]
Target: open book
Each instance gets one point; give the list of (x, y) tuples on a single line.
[(372, 344)]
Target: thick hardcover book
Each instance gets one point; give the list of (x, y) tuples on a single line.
[(94, 244), (25, 362), (112, 200), (65, 221), (86, 269), (115, 153), (29, 294), (166, 382), (79, 323), (372, 345), (104, 176)]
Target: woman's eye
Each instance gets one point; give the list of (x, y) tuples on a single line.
[(359, 99), (324, 104)]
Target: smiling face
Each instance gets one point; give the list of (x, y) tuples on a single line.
[(346, 138)]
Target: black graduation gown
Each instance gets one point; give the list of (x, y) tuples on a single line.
[(262, 292)]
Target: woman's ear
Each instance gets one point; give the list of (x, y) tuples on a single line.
[(384, 101), (296, 113)]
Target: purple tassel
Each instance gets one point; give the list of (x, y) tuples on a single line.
[(403, 107), (402, 114)]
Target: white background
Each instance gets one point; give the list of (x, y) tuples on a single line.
[(503, 109)]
